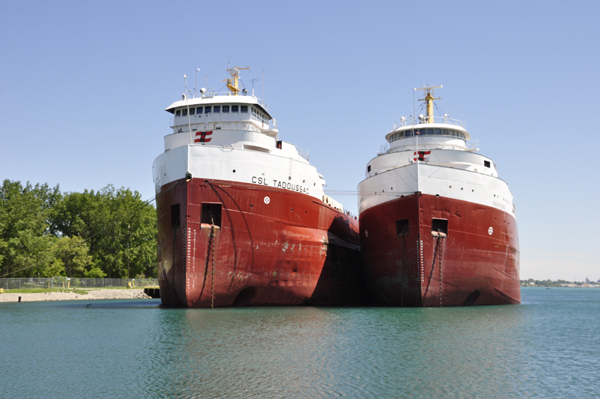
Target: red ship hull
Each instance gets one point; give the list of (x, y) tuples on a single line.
[(475, 261), (232, 244)]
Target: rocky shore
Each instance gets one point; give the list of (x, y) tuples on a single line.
[(135, 293)]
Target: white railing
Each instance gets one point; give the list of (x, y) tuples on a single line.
[(302, 153), (382, 149), (214, 93), (473, 145), (417, 120)]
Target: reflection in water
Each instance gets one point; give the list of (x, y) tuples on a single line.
[(329, 351), (248, 351), (545, 347)]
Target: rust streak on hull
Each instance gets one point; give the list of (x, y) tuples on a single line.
[(287, 249), (478, 268)]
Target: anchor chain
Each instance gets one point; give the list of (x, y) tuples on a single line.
[(437, 253), (432, 267), (440, 265), (212, 280)]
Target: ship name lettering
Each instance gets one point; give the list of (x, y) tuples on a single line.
[(290, 186), (280, 184), (497, 204), (259, 180)]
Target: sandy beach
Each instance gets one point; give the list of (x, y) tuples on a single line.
[(135, 293)]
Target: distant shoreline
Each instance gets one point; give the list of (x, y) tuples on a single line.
[(560, 283), (135, 293), (561, 286)]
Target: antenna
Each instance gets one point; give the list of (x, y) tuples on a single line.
[(429, 100), (429, 88), (253, 80), (188, 108), (233, 85), (196, 85)]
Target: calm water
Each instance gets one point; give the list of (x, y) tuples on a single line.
[(549, 346)]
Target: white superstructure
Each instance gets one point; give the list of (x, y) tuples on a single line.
[(430, 155), (232, 137)]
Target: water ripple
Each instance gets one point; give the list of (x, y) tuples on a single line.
[(543, 348)]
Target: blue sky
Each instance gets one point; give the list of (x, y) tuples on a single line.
[(83, 87)]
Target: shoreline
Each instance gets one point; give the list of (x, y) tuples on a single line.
[(130, 293)]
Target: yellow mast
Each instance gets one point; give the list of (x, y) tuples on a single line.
[(429, 101), (235, 74)]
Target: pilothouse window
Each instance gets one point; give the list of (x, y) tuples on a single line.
[(177, 113), (199, 109), (217, 109), (192, 111), (225, 108), (234, 108), (428, 132), (207, 110), (244, 109)]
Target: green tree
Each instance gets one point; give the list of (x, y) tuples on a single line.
[(92, 234), (119, 225), (71, 254), (25, 238)]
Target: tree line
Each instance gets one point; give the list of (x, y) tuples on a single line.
[(44, 233)]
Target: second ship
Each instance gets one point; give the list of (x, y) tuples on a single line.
[(438, 226), (242, 216)]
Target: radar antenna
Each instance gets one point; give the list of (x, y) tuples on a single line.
[(235, 74), (429, 100)]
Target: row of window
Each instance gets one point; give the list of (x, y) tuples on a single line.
[(428, 132), (259, 115), (215, 109)]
